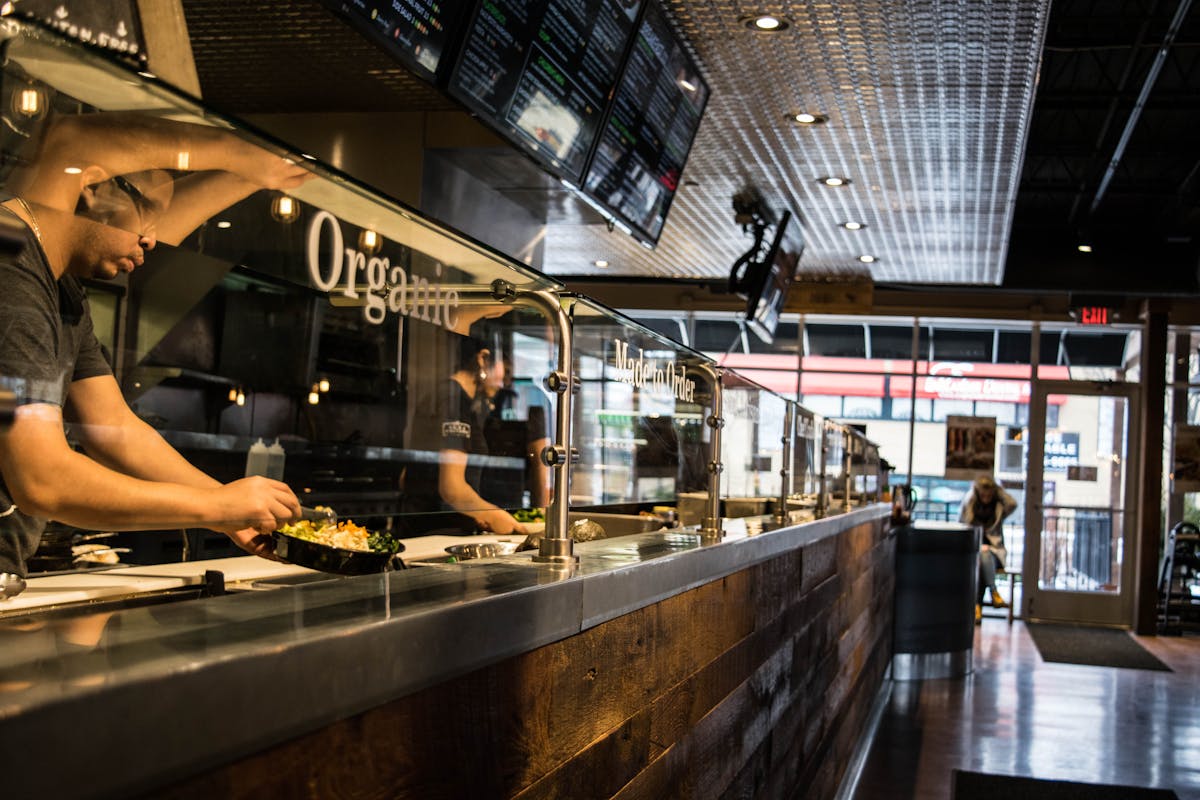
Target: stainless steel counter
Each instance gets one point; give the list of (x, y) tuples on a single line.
[(132, 700)]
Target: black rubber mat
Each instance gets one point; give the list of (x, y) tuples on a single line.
[(1096, 647), (983, 786)]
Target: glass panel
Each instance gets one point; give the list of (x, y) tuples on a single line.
[(638, 419), (1084, 494), (806, 454), (833, 466), (268, 297), (752, 442)]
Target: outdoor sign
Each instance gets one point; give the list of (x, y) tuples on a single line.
[(970, 447), (1078, 473), (1062, 451)]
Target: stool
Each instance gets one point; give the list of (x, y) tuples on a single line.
[(1012, 575)]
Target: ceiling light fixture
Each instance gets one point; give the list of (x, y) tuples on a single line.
[(29, 102), (1085, 248), (867, 259), (224, 224), (834, 180), (369, 242), (600, 263), (854, 226), (766, 23), (285, 209), (808, 118)]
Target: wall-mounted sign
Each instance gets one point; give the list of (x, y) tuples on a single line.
[(111, 24), (970, 447), (1185, 459)]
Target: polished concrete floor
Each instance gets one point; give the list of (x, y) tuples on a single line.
[(1017, 715)]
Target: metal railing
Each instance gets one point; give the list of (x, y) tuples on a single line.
[(1081, 548)]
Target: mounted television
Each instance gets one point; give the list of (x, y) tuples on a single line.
[(768, 280), (648, 133), (417, 33), (541, 73)]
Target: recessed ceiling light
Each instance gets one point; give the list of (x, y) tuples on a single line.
[(834, 180), (867, 259), (808, 118), (224, 224), (854, 226), (73, 170), (766, 23), (1085, 248), (600, 263)]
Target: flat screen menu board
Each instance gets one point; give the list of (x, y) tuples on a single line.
[(414, 32), (541, 73), (649, 130)]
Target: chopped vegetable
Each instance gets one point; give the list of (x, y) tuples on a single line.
[(529, 515), (345, 535)]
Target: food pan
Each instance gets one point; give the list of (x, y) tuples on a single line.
[(465, 552), (314, 555)]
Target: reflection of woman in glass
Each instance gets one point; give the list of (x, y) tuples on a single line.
[(444, 493)]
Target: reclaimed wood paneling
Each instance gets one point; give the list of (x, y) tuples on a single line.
[(756, 685)]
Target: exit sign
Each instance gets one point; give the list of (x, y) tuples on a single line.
[(1094, 315)]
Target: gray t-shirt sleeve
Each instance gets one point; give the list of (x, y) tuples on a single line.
[(91, 360), (40, 351)]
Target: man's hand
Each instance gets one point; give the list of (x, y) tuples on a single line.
[(498, 521), (250, 507), (267, 169), (255, 543)]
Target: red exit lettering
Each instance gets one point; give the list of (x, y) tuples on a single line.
[(1093, 315)]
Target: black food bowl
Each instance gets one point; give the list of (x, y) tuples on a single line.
[(314, 555)]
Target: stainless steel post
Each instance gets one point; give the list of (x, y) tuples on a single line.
[(781, 513), (822, 502), (710, 528), (557, 546), (848, 445)]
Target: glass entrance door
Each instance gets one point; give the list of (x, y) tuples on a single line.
[(1078, 545)]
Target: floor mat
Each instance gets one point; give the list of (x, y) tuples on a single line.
[(982, 786), (1097, 647)]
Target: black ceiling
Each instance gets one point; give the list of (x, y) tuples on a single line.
[(1113, 153)]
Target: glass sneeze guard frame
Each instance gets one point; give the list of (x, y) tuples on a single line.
[(333, 245), (649, 417)]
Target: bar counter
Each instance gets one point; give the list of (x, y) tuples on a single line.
[(657, 666)]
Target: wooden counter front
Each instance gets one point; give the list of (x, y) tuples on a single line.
[(756, 684)]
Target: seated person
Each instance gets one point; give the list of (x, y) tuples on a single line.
[(987, 505)]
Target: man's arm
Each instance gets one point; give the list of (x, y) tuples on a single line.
[(97, 146), (459, 495), (48, 479), (117, 438)]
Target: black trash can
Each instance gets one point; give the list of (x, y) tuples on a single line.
[(937, 567)]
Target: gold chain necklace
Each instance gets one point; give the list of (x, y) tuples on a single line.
[(33, 223)]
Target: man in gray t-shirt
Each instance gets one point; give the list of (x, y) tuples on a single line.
[(93, 203)]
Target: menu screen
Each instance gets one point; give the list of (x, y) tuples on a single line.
[(649, 131), (541, 73), (414, 32)]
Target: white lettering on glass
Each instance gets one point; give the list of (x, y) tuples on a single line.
[(666, 380), (384, 286)]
